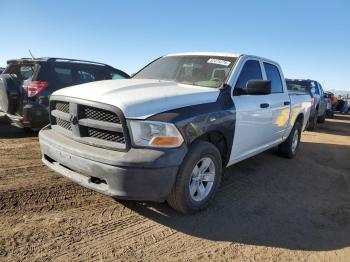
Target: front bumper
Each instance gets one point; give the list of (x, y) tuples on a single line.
[(139, 174)]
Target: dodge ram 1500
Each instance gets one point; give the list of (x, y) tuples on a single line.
[(167, 133)]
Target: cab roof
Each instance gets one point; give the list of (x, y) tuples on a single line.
[(206, 54), (222, 54)]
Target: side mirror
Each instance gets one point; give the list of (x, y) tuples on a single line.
[(258, 87)]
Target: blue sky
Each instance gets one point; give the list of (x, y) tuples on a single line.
[(310, 39)]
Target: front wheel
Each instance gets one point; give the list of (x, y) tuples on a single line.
[(289, 147), (198, 178)]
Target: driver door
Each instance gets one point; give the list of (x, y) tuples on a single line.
[(253, 116)]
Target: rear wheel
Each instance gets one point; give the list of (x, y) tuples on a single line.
[(331, 114), (322, 118), (312, 123), (198, 178), (289, 147)]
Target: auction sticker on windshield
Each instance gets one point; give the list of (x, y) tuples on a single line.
[(218, 62)]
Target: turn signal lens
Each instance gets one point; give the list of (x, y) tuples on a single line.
[(165, 141)]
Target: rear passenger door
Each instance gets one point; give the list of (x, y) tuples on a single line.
[(253, 120), (279, 101)]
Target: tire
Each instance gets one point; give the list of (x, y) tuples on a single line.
[(331, 114), (9, 93), (322, 118), (29, 131), (288, 148), (180, 197), (311, 126)]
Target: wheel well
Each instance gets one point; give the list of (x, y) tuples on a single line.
[(218, 140)]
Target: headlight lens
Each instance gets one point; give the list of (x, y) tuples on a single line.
[(154, 134)]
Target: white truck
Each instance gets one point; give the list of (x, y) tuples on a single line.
[(167, 133)]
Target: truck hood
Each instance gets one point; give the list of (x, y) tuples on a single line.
[(141, 98)]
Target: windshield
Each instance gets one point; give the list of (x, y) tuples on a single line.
[(207, 71)]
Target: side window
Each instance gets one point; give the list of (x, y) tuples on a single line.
[(83, 76), (114, 75), (64, 75), (87, 74), (273, 74), (250, 71)]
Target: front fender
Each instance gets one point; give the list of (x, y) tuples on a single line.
[(195, 121)]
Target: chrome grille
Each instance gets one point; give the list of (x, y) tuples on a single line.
[(62, 106), (98, 125), (65, 124), (106, 135), (100, 114)]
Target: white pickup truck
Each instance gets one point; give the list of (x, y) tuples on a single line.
[(167, 133)]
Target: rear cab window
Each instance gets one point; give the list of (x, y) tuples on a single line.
[(303, 86)]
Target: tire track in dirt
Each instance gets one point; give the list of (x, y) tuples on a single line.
[(13, 178), (31, 200), (100, 233)]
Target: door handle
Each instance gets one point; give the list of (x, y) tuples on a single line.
[(286, 103), (264, 105)]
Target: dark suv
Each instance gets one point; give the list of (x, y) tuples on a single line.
[(26, 85), (319, 102)]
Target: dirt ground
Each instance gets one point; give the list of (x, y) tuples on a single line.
[(268, 208)]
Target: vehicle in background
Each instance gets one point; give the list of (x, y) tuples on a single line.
[(343, 104), (167, 133), (329, 97), (26, 85), (1, 70), (319, 103)]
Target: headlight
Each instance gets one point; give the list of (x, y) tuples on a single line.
[(154, 134)]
